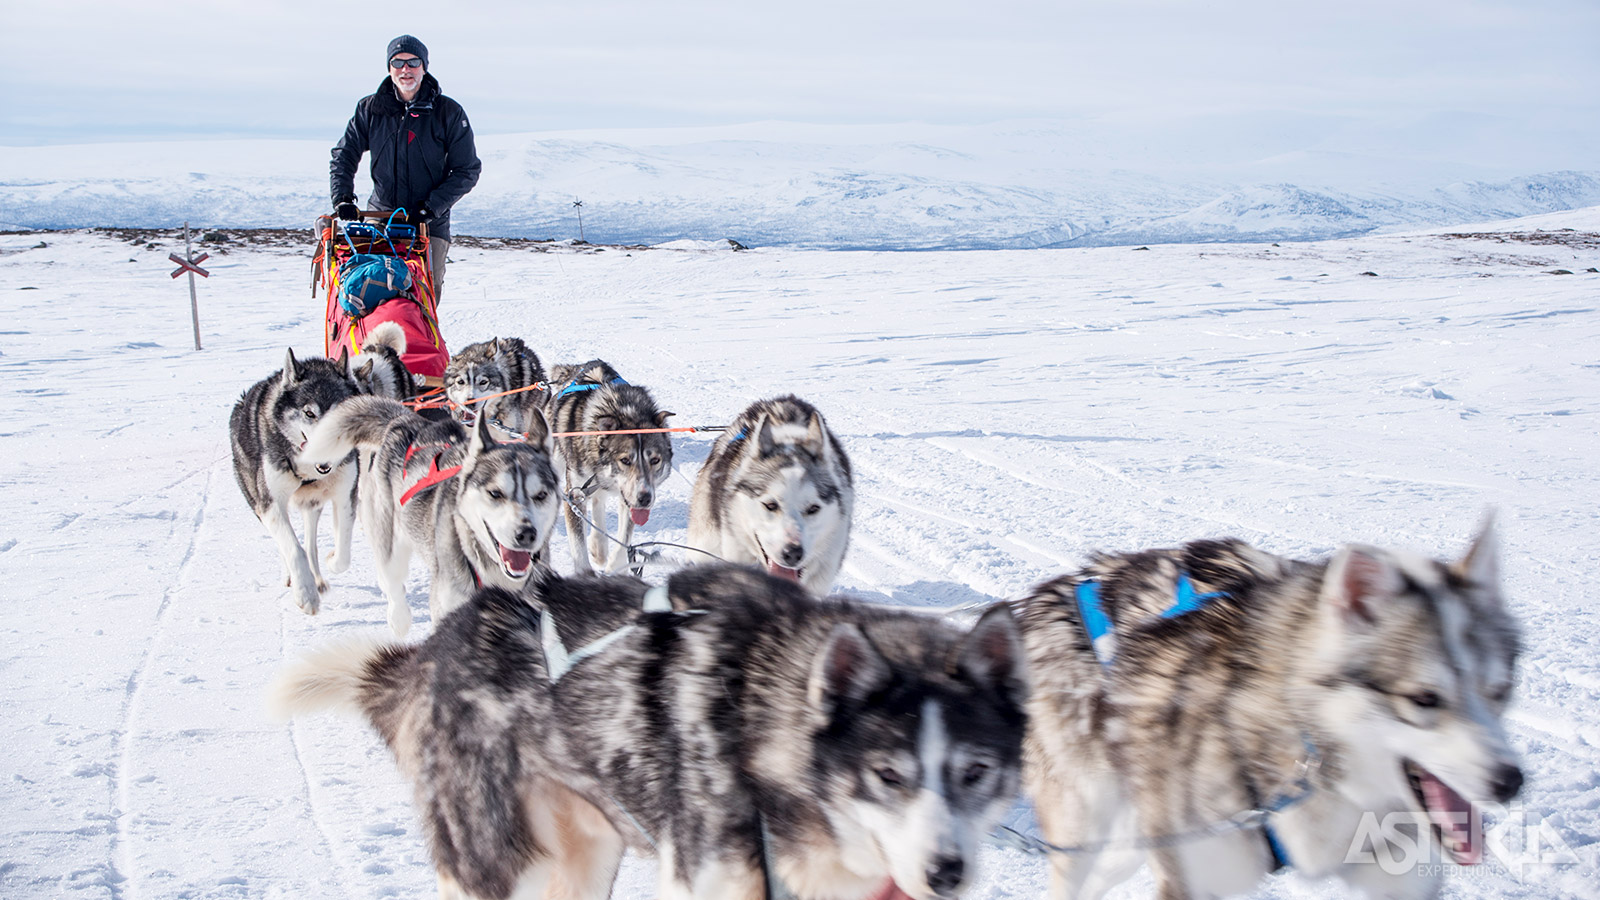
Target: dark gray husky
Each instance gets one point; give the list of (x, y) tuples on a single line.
[(844, 750)]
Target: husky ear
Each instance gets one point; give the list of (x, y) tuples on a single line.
[(814, 442), (291, 369), (991, 655), (539, 432), (848, 669), (662, 417), (1481, 565), (1357, 581), (764, 442), (364, 372), (482, 437)]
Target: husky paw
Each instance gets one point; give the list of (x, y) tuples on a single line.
[(309, 601), (322, 584), (400, 619), (337, 564)]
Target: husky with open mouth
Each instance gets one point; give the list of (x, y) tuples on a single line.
[(1353, 707), (613, 448), (481, 511), (776, 492)]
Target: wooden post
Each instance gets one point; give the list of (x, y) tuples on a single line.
[(194, 302)]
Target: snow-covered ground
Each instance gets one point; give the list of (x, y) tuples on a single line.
[(1006, 411)]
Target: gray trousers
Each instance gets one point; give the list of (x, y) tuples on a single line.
[(437, 251)]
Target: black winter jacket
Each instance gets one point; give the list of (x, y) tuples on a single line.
[(422, 153)]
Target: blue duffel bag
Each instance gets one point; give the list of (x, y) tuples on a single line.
[(367, 280)]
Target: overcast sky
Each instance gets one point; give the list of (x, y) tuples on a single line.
[(96, 71)]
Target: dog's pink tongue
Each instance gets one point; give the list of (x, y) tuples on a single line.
[(516, 561), (783, 572), (639, 516), (890, 891), (1463, 837)]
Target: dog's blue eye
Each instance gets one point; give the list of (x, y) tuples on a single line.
[(1425, 699)]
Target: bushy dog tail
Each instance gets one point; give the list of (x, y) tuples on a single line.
[(358, 422), (387, 334), (343, 676)]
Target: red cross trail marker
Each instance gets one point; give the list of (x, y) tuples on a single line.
[(190, 263)]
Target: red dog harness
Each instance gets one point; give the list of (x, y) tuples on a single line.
[(433, 476)]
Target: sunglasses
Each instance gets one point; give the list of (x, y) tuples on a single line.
[(412, 63)]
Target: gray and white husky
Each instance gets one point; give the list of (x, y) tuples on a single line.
[(776, 492), (493, 367), (594, 398), (379, 369), (481, 511), (268, 429), (840, 749), (1358, 702)]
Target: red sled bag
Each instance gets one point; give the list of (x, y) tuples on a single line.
[(415, 311)]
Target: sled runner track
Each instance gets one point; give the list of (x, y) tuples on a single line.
[(127, 886), (340, 863)]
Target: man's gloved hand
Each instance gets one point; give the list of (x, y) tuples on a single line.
[(424, 216), (347, 210)]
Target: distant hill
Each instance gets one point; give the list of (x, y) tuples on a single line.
[(1010, 185)]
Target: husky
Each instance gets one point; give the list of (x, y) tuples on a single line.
[(591, 398), (776, 492), (1356, 704), (379, 370), (490, 368), (268, 429), (743, 731), (481, 511)]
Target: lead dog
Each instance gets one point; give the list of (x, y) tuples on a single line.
[(1359, 699), (268, 430), (776, 492), (845, 750), (480, 511)]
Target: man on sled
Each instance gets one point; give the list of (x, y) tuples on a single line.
[(423, 156), (390, 267)]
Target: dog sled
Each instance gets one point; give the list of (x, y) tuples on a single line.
[(377, 270)]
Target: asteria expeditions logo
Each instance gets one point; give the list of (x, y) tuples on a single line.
[(1514, 839)]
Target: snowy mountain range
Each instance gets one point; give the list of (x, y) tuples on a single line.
[(913, 187)]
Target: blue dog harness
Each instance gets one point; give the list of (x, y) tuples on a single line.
[(574, 387), (1098, 624), (1102, 638)]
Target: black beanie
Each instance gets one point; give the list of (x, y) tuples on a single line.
[(405, 43)]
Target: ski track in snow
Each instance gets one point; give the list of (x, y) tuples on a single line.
[(131, 713), (1005, 414)]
